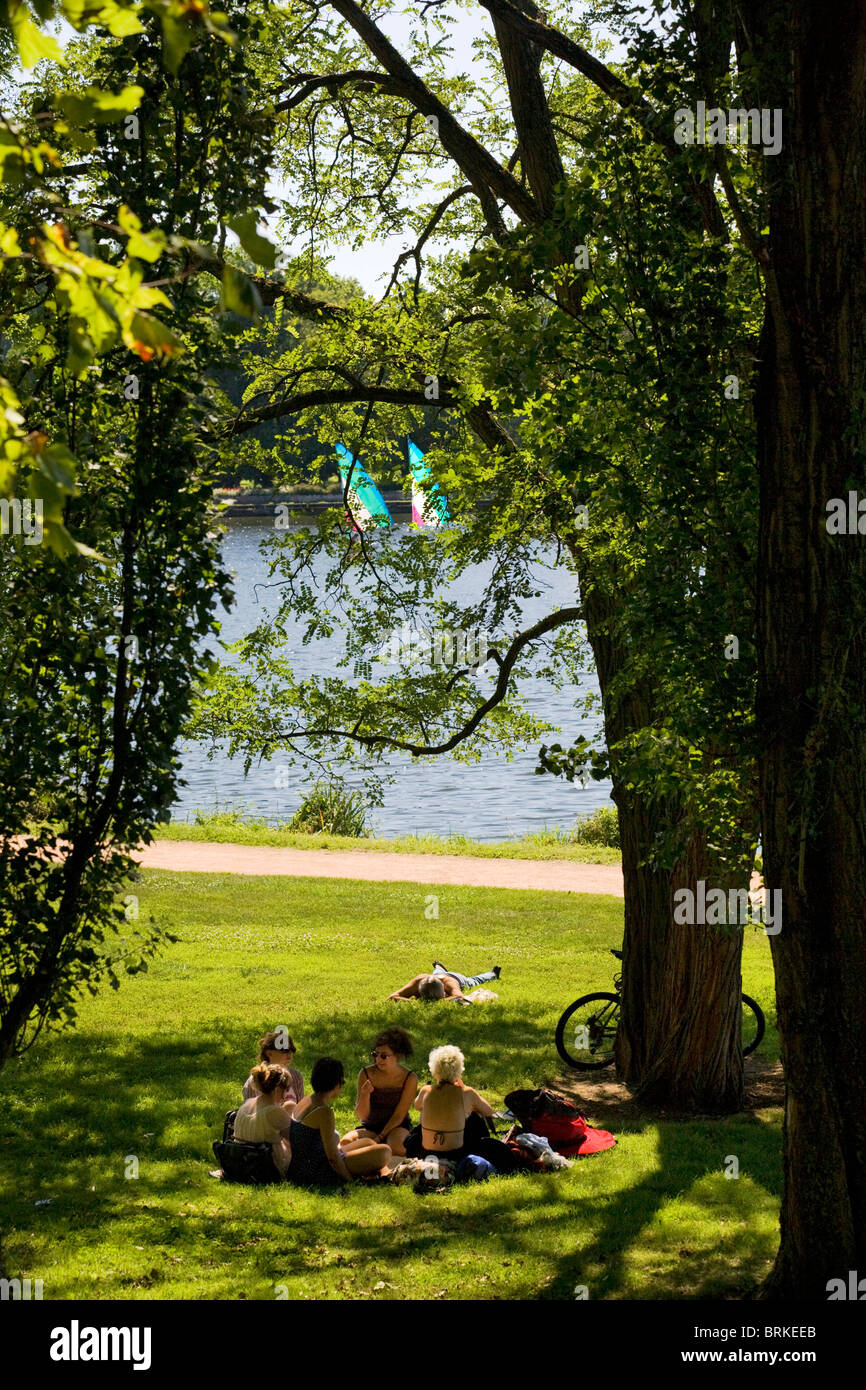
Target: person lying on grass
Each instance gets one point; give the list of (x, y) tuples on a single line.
[(446, 1107), (443, 984), (278, 1049), (318, 1160), (385, 1093), (267, 1115)]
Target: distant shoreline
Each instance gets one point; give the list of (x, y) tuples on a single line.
[(309, 504)]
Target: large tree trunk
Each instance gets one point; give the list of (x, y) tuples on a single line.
[(679, 1040), (679, 1036), (812, 625)]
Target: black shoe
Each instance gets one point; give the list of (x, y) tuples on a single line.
[(439, 964), (497, 969)]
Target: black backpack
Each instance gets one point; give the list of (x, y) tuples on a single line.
[(249, 1163), (529, 1105)]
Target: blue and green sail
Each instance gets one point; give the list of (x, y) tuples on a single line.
[(366, 503), (429, 503)]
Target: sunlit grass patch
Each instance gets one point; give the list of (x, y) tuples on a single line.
[(150, 1071)]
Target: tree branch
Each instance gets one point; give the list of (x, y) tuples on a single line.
[(506, 665), (631, 99), (271, 290), (334, 80), (484, 172), (414, 253), (338, 395)]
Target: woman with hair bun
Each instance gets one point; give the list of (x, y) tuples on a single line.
[(266, 1117), (445, 1107), (385, 1093)]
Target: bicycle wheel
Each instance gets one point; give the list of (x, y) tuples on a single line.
[(586, 1033), (753, 1025)]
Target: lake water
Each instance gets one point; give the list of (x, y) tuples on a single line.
[(494, 799)]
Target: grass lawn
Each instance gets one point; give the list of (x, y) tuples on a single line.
[(150, 1070), (544, 844)]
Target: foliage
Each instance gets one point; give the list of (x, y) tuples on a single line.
[(100, 302), (103, 634), (330, 808), (600, 828), (619, 409)]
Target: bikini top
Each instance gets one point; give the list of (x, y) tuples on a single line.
[(439, 1134)]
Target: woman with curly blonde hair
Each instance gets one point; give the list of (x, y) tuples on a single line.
[(445, 1107)]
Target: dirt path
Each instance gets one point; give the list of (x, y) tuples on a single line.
[(549, 875)]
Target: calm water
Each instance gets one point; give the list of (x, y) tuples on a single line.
[(493, 799)]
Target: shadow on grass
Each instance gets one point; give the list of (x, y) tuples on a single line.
[(88, 1101)]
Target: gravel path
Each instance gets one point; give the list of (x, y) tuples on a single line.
[(549, 875)]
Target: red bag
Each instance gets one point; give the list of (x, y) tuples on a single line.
[(571, 1135)]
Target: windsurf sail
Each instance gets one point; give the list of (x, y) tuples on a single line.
[(429, 504), (366, 503)]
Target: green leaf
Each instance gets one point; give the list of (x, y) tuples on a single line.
[(262, 251), (118, 18), (239, 294), (31, 43), (177, 39), (152, 334), (97, 106), (147, 246)]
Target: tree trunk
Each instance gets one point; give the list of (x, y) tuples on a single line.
[(679, 1040), (679, 1036), (812, 625)]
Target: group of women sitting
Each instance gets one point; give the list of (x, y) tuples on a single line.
[(302, 1130)]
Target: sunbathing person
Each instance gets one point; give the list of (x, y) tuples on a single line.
[(277, 1048), (317, 1158), (443, 984), (266, 1116), (445, 1107), (385, 1093)]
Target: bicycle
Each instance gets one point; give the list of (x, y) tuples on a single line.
[(586, 1033)]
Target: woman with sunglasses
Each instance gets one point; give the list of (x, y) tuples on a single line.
[(386, 1091)]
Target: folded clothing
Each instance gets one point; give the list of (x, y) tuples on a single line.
[(571, 1135)]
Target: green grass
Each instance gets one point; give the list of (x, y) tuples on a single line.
[(226, 827), (150, 1070)]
